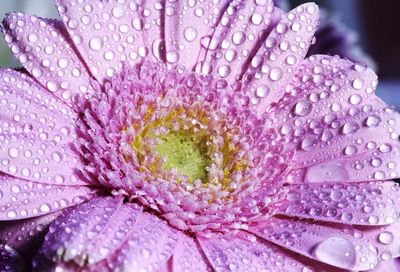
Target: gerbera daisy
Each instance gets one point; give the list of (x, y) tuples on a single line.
[(191, 136)]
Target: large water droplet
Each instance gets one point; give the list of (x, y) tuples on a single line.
[(302, 108), (358, 83), (336, 251), (190, 33), (373, 121), (96, 43), (350, 128), (386, 237), (275, 74)]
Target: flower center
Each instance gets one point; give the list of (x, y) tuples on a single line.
[(185, 154)]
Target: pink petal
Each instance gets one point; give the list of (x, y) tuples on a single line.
[(338, 245), (23, 199), (44, 49), (105, 46), (149, 246), (241, 253), (392, 265), (26, 235), (90, 232), (188, 256), (36, 131), (368, 203), (185, 33), (354, 138), (274, 64)]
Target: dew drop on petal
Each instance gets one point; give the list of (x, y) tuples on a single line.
[(190, 33), (336, 251), (262, 90), (386, 237), (275, 74), (302, 108), (373, 121), (358, 83), (95, 43)]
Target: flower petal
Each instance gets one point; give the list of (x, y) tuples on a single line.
[(185, 33), (149, 246), (244, 253), (36, 131), (274, 64), (10, 260), (46, 51), (390, 265), (240, 32), (105, 46), (368, 203), (23, 199), (338, 245), (90, 232), (341, 130), (26, 235), (188, 256)]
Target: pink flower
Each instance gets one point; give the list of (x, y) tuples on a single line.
[(191, 136)]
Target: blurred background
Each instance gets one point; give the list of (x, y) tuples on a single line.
[(365, 31)]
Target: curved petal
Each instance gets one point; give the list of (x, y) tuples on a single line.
[(26, 235), (338, 245), (392, 265), (184, 34), (90, 232), (46, 51), (106, 33), (341, 130), (150, 246), (36, 132), (275, 63), (239, 34), (188, 256), (10, 261), (243, 252), (23, 199), (368, 203)]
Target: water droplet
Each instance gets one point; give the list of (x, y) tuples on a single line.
[(275, 74), (385, 148), (308, 143), (358, 83), (262, 90), (355, 99), (238, 37), (302, 108), (15, 189), (373, 219), (172, 56), (11, 214), (45, 208), (336, 251), (13, 152), (118, 12), (296, 26), (373, 121), (386, 237), (350, 128), (350, 150), (256, 18), (96, 43), (33, 38), (386, 256), (190, 33)]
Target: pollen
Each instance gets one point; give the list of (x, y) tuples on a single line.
[(185, 154)]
